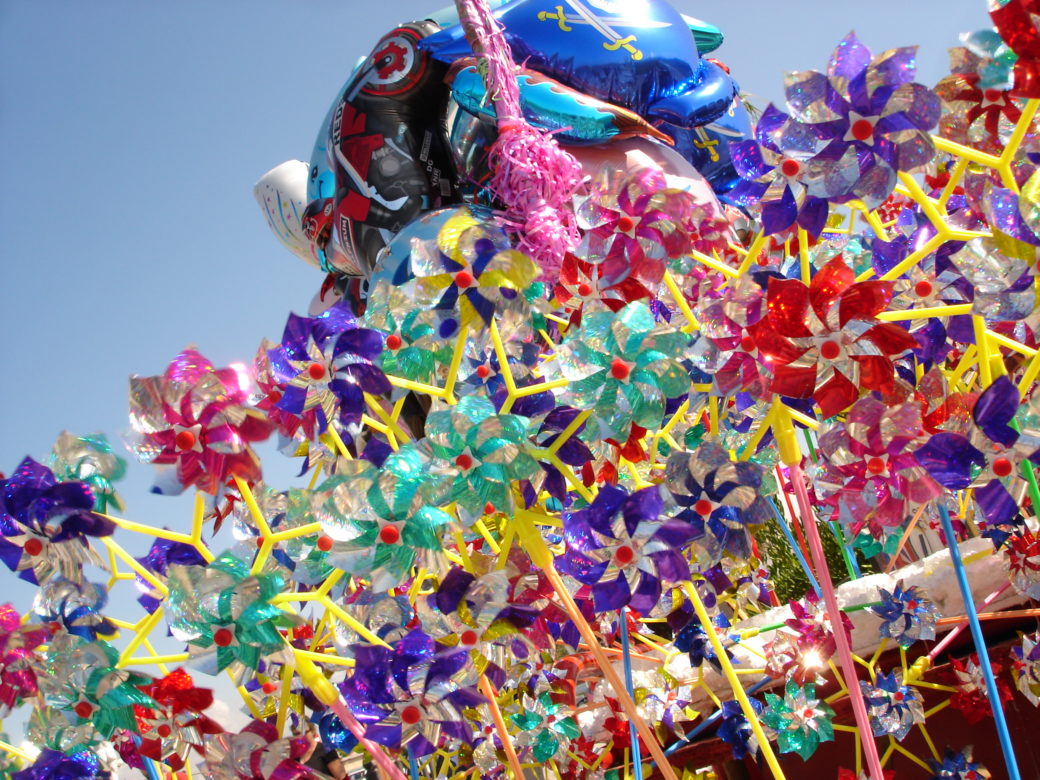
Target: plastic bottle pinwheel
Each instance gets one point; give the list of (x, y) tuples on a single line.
[(633, 223), (56, 765), (894, 708), (324, 366), (774, 168), (382, 519), (870, 475), (959, 766), (45, 524), (825, 342), (17, 670), (412, 695), (89, 459), (485, 452), (257, 753), (622, 366), (800, 720), (546, 727), (718, 497), (176, 725), (1025, 667), (225, 614), (871, 118), (82, 679), (470, 273), (907, 616), (413, 348), (621, 546), (74, 607), (194, 420)]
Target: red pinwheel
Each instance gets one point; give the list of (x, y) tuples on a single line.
[(171, 730), (1018, 22), (824, 340)]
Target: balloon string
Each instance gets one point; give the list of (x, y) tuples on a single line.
[(999, 719), (848, 665)]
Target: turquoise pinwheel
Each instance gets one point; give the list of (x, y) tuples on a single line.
[(800, 720)]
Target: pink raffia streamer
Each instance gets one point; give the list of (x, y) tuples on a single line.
[(531, 174)]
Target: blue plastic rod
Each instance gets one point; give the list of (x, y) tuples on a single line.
[(782, 522), (637, 759)]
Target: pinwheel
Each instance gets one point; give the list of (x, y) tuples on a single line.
[(582, 283), (195, 421), (257, 753), (74, 607), (469, 273), (800, 720), (17, 659), (413, 348), (622, 367), (1016, 22), (870, 476), (894, 708), (1023, 561), (412, 696), (225, 614), (632, 223), (803, 647), (546, 726), (824, 341), (972, 697), (485, 454), (724, 313), (735, 730), (176, 723), (906, 615), (774, 168), (56, 765), (382, 519), (82, 679), (718, 497), (959, 766), (89, 459), (161, 555), (572, 452), (1025, 667), (45, 524), (323, 368), (622, 546), (871, 118), (693, 640)]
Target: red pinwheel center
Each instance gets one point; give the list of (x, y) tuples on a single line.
[(1002, 467), (624, 555), (316, 371), (411, 715), (393, 342), (389, 534), (489, 508), (324, 543), (185, 440), (790, 167), (269, 687), (464, 461), (164, 731), (911, 604), (829, 350), (702, 507), (483, 371), (84, 709), (33, 547), (259, 542), (463, 279), (747, 344), (876, 466), (897, 696), (862, 129), (971, 774), (619, 369), (584, 289), (223, 637), (992, 95), (808, 713), (923, 288), (468, 638), (625, 223)]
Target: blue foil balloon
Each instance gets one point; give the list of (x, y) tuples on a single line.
[(638, 54)]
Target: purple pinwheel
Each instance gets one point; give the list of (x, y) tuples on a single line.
[(908, 616), (959, 766), (54, 765), (870, 117), (621, 546), (162, 553), (324, 366), (44, 524), (413, 694), (894, 708), (718, 497), (774, 168)]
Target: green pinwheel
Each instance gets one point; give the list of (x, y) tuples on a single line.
[(225, 614), (414, 347), (622, 366), (89, 459), (800, 720), (546, 726), (485, 451)]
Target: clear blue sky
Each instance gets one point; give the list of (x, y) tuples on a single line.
[(132, 133)]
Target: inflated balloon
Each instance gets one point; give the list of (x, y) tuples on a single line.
[(638, 56), (387, 150), (282, 194)]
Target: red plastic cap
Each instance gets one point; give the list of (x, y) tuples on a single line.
[(389, 534), (316, 371), (862, 129), (464, 279), (619, 369), (624, 555), (185, 440), (393, 342), (1002, 467), (33, 547), (223, 637), (829, 350), (411, 715), (625, 223), (324, 543)]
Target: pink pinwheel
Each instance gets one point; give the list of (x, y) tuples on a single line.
[(194, 419), (824, 340), (17, 642)]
